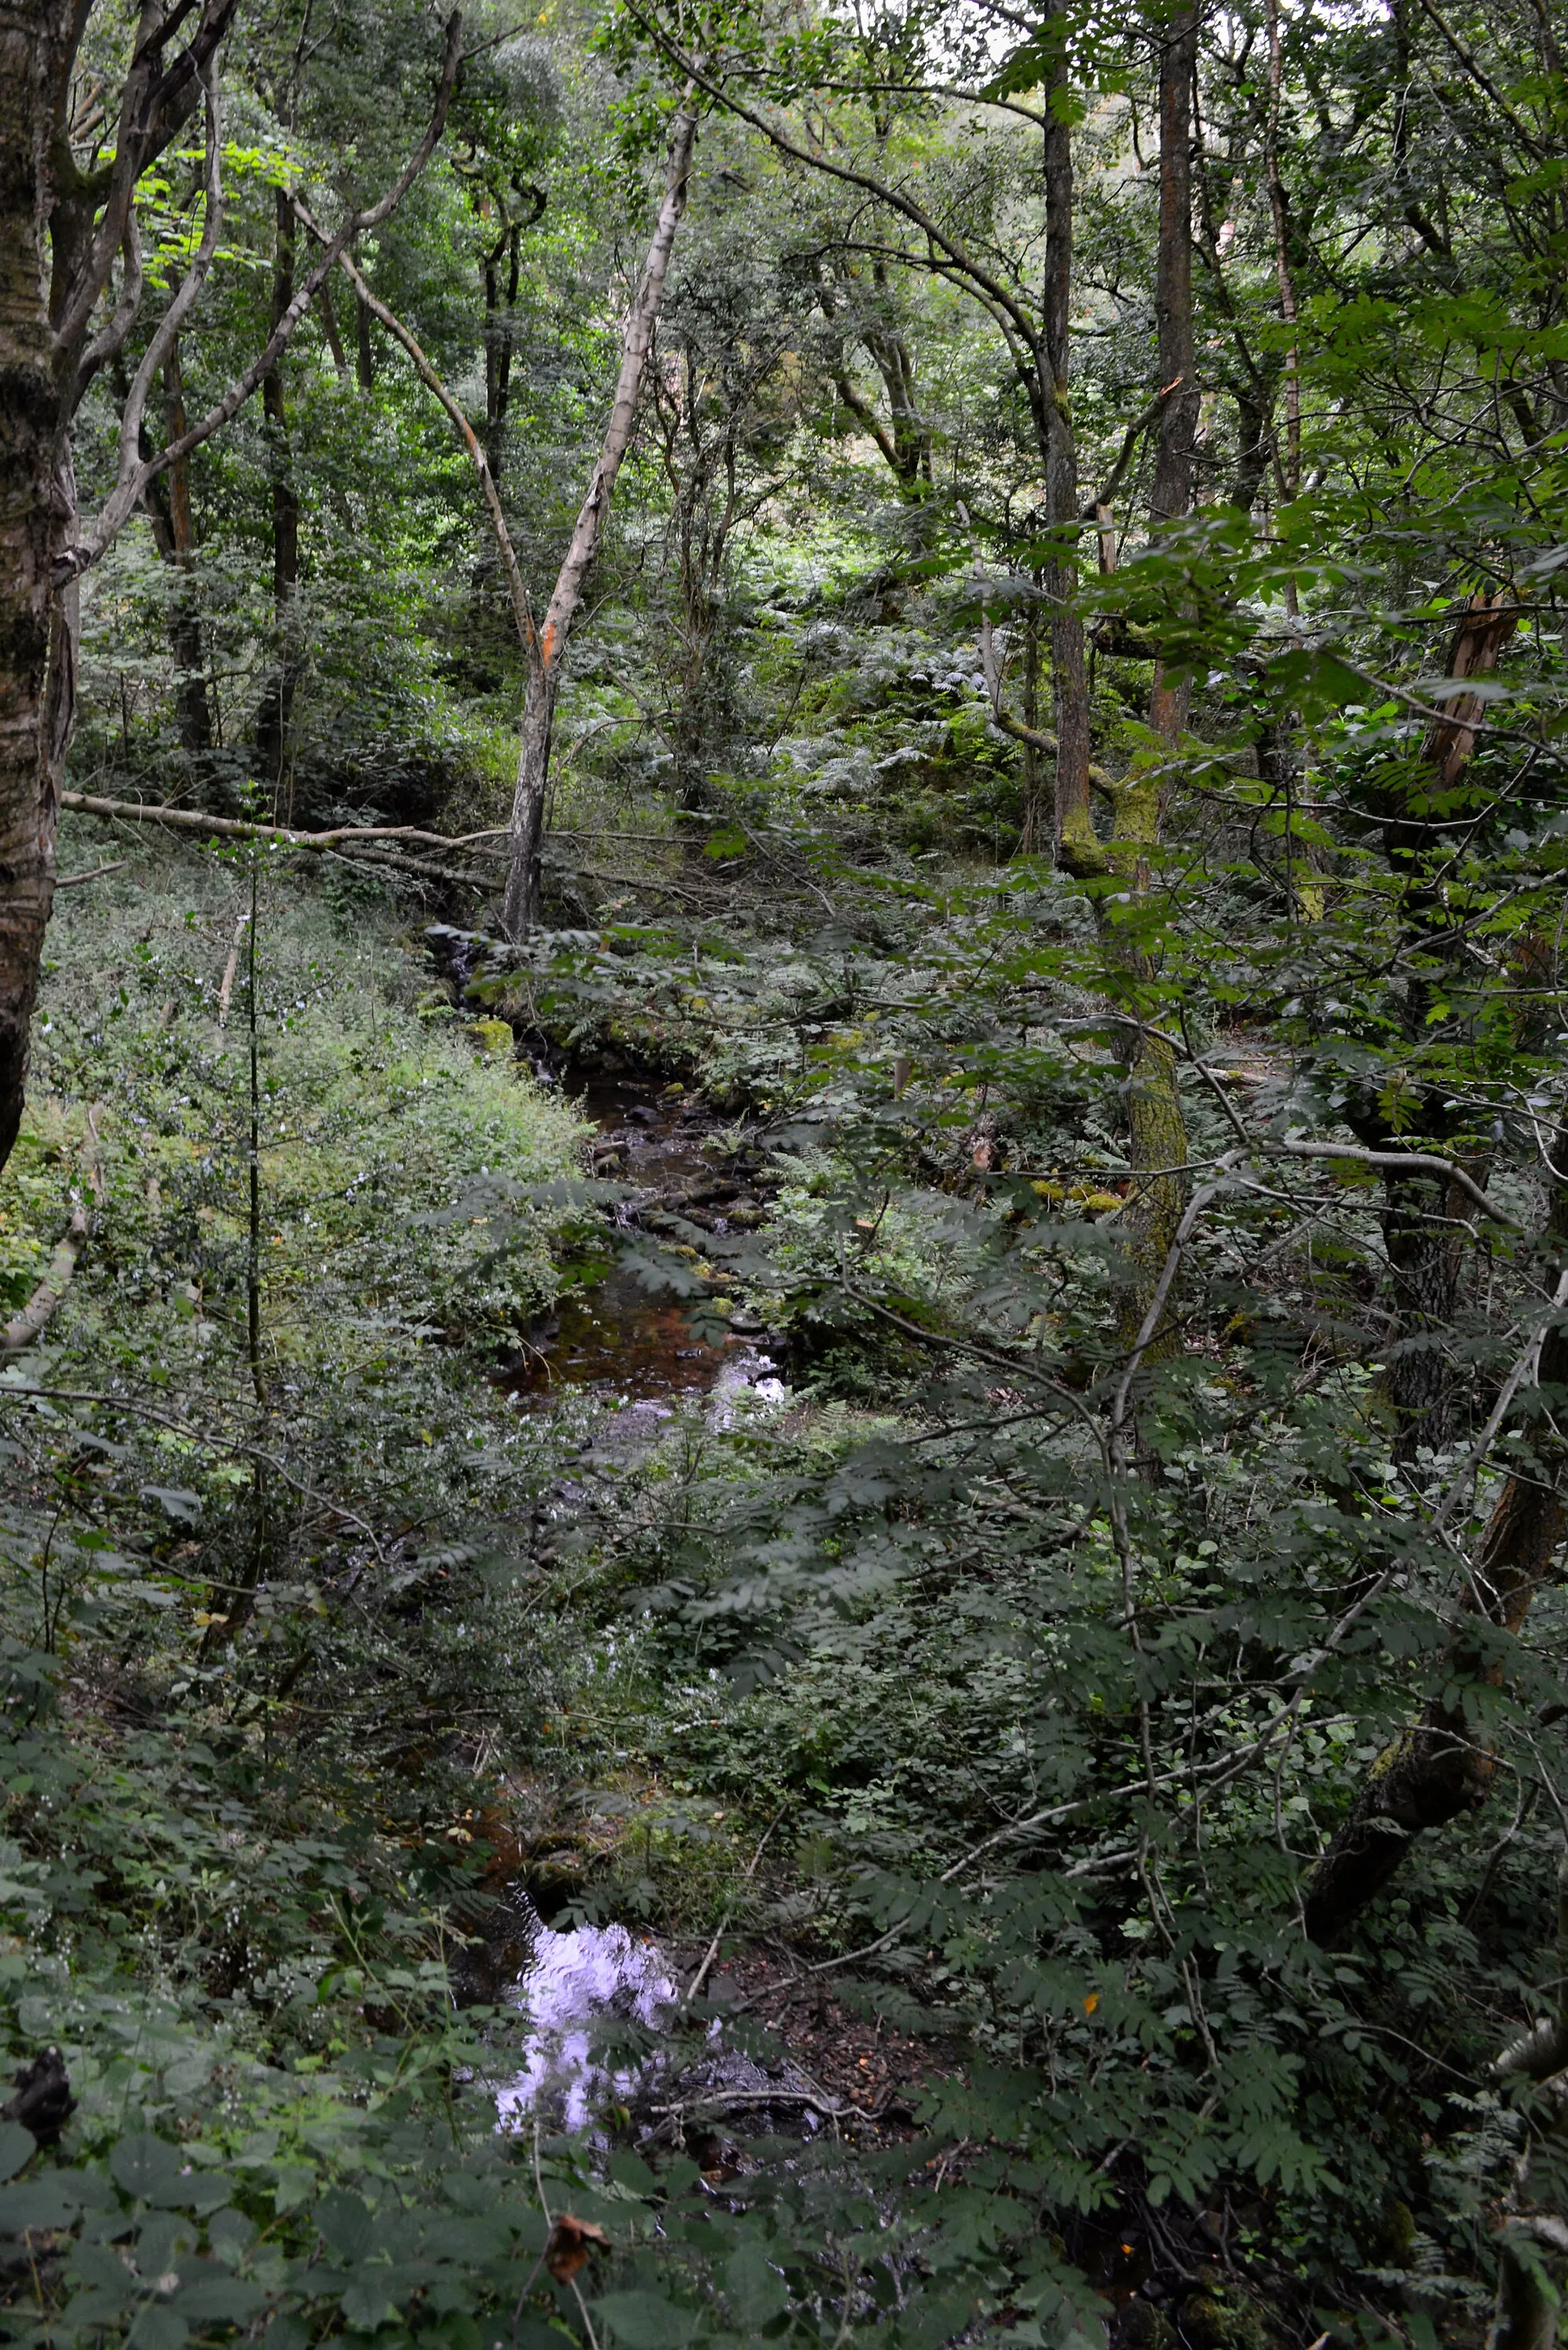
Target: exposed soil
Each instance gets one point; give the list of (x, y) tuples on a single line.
[(863, 2064)]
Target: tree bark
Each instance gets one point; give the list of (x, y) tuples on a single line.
[(1072, 819), (1425, 1246), (547, 644), (276, 711), (1157, 1125), (170, 512), (1171, 496), (36, 650)]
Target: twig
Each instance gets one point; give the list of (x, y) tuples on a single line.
[(695, 1985), (134, 1410)]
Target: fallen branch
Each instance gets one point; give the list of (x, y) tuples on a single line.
[(234, 828), (74, 880), (380, 859), (25, 1328)]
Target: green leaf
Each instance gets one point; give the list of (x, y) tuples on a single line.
[(205, 2298), (158, 2327), (48, 2202), (149, 2168), (18, 2145), (366, 2303), (645, 2320), (346, 2222), (755, 2289)]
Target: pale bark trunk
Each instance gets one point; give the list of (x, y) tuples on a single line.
[(520, 907)]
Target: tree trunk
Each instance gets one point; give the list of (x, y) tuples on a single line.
[(364, 354), (910, 435), (185, 626), (169, 511), (1034, 810), (276, 711), (1157, 1125), (1423, 1244), (36, 654), (1171, 496), (1072, 819), (61, 231), (520, 907)]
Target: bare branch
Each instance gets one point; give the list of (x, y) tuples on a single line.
[(977, 278), (230, 827), (190, 286), (103, 347), (132, 485), (154, 106), (432, 382)]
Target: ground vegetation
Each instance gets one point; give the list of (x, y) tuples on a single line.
[(946, 624)]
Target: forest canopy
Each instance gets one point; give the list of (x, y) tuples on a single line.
[(784, 1174)]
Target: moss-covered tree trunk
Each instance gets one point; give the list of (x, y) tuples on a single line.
[(1119, 868)]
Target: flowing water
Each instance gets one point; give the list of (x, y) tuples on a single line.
[(618, 1338), (609, 2031), (601, 2003)]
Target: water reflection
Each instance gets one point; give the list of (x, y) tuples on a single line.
[(574, 1985), (604, 2018)]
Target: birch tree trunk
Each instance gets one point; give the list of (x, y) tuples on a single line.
[(548, 643)]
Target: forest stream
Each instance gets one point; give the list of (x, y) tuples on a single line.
[(783, 1176), (610, 2025), (613, 1335)]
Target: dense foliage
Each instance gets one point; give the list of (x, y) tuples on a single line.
[(1126, 1661)]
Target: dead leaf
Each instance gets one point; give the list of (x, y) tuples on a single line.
[(570, 2243)]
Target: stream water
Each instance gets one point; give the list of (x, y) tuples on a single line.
[(617, 1337), (601, 2003), (608, 2028)]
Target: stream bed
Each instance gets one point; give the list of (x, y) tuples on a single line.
[(607, 2025), (609, 2032), (618, 1338)]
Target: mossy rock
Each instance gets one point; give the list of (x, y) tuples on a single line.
[(1222, 2317), (492, 1035), (1140, 2327)]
